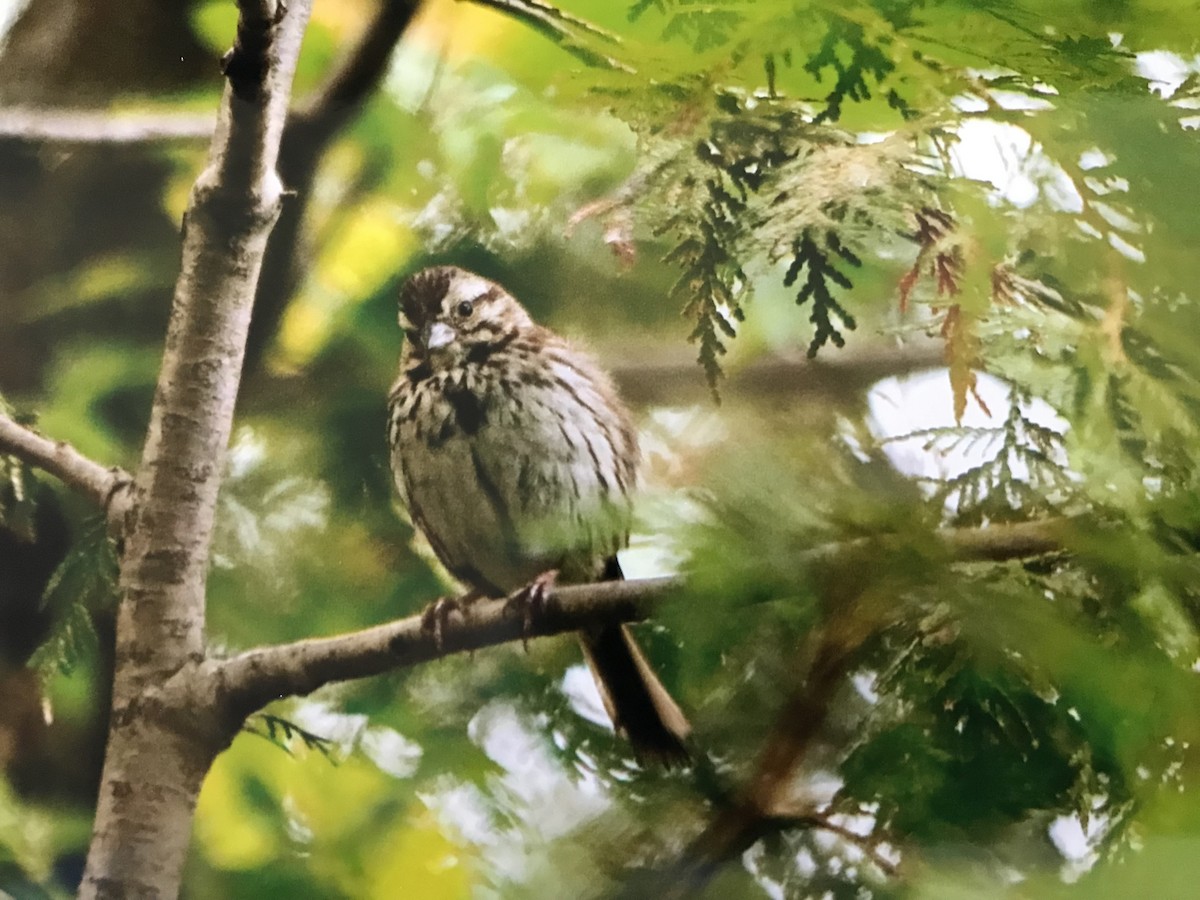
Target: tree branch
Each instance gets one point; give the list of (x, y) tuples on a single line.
[(107, 488), (309, 133), (358, 75), (835, 375), (253, 678), (83, 126)]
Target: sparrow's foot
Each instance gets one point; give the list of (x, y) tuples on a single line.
[(436, 615), (530, 601)]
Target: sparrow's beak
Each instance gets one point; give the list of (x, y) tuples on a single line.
[(437, 335)]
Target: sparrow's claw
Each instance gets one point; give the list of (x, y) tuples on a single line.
[(436, 615), (530, 601)]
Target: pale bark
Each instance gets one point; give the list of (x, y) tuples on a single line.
[(158, 749), (107, 488), (85, 126)]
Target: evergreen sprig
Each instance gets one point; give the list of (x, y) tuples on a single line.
[(819, 258), (762, 182), (1025, 475), (711, 279), (855, 62), (284, 734)]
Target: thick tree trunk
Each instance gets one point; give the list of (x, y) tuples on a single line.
[(165, 729), (152, 776)]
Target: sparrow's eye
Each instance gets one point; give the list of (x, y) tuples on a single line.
[(464, 309)]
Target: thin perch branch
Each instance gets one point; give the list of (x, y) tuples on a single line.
[(106, 487), (253, 678)]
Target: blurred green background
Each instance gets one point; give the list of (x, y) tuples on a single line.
[(991, 204)]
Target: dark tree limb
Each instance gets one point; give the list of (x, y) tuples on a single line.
[(760, 808), (358, 76), (837, 375), (108, 488), (310, 132)]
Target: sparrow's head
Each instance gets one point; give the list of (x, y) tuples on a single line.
[(450, 315)]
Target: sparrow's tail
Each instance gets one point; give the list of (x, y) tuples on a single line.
[(638, 704)]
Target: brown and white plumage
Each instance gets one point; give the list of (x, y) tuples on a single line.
[(515, 456)]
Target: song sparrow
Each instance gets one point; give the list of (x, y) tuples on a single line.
[(516, 460)]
